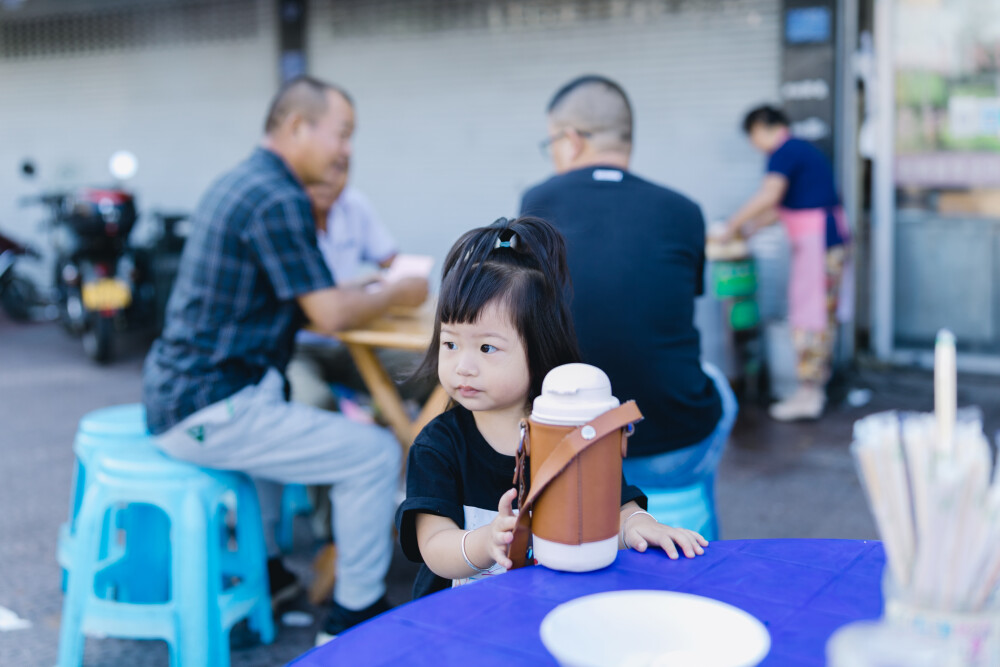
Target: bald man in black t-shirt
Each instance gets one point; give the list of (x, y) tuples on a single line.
[(636, 255)]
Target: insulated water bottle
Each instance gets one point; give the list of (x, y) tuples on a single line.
[(575, 518)]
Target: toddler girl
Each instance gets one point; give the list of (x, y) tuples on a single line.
[(502, 323)]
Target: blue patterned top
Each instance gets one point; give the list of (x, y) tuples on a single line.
[(233, 311)]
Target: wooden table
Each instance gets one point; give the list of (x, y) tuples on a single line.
[(399, 329)]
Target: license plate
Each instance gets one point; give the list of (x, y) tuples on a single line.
[(106, 294)]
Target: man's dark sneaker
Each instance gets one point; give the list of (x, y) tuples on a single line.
[(241, 637), (284, 584), (340, 619)]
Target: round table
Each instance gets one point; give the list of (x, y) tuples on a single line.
[(802, 590)]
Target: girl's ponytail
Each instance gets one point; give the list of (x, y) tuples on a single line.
[(528, 242)]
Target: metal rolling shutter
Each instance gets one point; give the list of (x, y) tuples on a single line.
[(451, 96), (184, 85)]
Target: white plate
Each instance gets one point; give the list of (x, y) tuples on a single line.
[(653, 629)]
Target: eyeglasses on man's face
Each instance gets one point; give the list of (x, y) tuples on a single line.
[(546, 144)]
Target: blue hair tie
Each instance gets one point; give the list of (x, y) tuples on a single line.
[(512, 243)]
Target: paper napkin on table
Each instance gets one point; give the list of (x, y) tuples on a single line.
[(409, 266)]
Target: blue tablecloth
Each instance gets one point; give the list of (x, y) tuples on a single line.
[(802, 590)]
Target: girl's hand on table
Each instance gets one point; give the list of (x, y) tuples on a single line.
[(643, 530)]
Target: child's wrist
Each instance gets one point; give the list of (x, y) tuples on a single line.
[(625, 524), (483, 536), (474, 551)]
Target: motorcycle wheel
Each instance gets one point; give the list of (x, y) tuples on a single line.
[(71, 313), (98, 339), (17, 297)]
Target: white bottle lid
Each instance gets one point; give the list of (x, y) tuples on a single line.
[(573, 394)]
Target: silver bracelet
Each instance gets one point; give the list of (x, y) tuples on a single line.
[(466, 557), (625, 524)]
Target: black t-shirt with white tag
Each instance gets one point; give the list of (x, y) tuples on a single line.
[(453, 472)]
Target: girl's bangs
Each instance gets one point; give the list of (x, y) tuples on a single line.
[(484, 284)]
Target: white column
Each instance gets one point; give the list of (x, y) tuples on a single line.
[(884, 187), (847, 139)]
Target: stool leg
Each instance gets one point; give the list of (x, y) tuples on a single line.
[(89, 528), (285, 530), (147, 553), (250, 542), (294, 502), (75, 500), (713, 528), (220, 632), (194, 591), (76, 497)]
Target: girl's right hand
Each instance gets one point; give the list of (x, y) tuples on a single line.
[(502, 530)]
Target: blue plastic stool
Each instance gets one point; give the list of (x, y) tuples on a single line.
[(210, 585), (111, 430), (691, 507), (294, 502)]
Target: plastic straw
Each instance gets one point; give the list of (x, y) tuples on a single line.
[(873, 463), (945, 387), (927, 480), (919, 451)]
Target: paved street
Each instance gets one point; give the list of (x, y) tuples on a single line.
[(776, 481)]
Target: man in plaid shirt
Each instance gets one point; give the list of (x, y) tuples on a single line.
[(214, 385)]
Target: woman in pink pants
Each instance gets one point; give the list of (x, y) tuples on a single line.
[(799, 190)]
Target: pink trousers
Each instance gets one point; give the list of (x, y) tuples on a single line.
[(815, 289)]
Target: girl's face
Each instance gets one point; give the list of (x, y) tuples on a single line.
[(483, 366)]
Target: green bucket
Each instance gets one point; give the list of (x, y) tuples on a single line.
[(743, 314), (733, 278)]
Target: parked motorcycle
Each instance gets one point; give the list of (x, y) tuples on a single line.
[(103, 284), (95, 273), (18, 295)]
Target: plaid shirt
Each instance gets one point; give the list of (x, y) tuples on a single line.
[(232, 313)]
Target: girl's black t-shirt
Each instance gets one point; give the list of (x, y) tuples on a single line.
[(453, 472)]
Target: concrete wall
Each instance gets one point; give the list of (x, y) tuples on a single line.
[(450, 97), (451, 111), (187, 110)]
